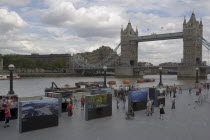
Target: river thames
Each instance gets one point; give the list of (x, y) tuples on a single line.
[(35, 86)]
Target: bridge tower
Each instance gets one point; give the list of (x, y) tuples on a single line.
[(192, 50), (129, 52)]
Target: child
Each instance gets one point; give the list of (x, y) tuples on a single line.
[(7, 115), (82, 102), (173, 102), (69, 109)]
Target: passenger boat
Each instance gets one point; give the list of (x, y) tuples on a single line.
[(7, 77)]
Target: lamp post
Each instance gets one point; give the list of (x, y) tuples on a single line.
[(105, 69), (196, 81), (11, 68), (160, 83)]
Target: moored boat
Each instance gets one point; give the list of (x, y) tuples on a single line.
[(112, 82), (7, 77), (126, 82), (149, 80), (140, 80)]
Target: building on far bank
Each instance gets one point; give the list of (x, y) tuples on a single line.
[(98, 55), (169, 64), (144, 64), (49, 58)]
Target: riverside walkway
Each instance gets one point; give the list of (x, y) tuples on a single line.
[(189, 121)]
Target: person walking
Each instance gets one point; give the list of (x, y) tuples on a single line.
[(167, 90), (174, 91), (152, 106), (173, 102), (180, 90), (200, 90), (124, 101), (170, 90), (130, 114), (7, 114), (199, 95), (162, 112), (75, 102), (149, 105), (117, 99), (82, 102), (69, 109), (190, 90)]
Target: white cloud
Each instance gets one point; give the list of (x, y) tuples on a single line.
[(10, 21), (86, 22), (15, 2)]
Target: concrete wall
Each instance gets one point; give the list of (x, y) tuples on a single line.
[(189, 72), (124, 71)]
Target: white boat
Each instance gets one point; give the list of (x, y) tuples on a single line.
[(7, 77)]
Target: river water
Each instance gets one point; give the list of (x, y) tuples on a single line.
[(27, 87)]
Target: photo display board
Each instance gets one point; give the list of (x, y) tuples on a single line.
[(138, 99), (98, 106), (12, 101), (161, 95), (158, 95), (101, 91), (38, 114), (64, 97), (57, 96)]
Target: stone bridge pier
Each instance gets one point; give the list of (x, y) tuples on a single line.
[(192, 50)]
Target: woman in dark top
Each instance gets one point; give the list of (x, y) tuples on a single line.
[(162, 112)]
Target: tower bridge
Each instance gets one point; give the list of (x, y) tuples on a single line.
[(193, 40), (155, 37)]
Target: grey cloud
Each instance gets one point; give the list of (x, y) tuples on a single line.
[(15, 2)]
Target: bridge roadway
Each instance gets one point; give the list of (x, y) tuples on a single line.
[(155, 37), (136, 68), (142, 68)]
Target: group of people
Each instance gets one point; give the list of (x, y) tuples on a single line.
[(150, 108), (202, 95), (173, 90), (73, 103), (121, 91), (151, 104), (120, 94)]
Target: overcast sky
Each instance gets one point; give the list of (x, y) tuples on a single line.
[(72, 26)]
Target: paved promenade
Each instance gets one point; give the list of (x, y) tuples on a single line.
[(189, 121)]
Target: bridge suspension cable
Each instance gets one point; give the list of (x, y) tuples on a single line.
[(106, 61), (102, 63), (206, 44)]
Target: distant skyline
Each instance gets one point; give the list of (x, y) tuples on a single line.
[(75, 26)]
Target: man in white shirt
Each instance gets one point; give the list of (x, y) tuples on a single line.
[(149, 105)]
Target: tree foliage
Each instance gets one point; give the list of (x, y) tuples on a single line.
[(29, 63)]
